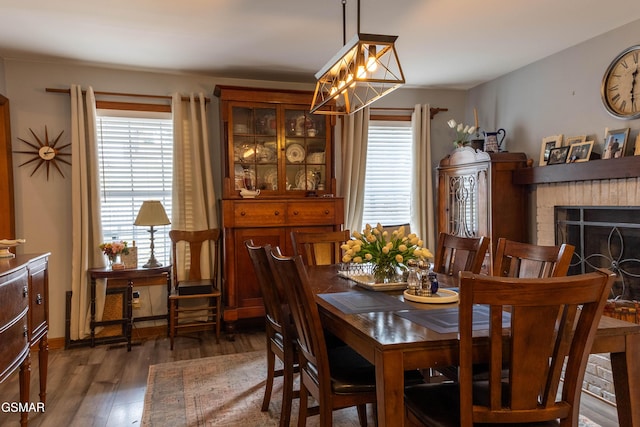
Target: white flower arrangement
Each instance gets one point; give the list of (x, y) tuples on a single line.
[(463, 132)]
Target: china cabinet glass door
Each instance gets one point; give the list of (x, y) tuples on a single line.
[(305, 148), (254, 138)]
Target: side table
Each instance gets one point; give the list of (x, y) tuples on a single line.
[(131, 276)]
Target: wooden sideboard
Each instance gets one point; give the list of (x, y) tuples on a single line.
[(24, 320)]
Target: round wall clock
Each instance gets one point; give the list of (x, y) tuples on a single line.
[(621, 85), (45, 152)]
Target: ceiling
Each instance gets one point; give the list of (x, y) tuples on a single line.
[(441, 43)]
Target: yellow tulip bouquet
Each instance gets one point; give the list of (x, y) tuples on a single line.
[(385, 251)]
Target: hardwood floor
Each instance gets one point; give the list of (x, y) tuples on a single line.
[(105, 385)]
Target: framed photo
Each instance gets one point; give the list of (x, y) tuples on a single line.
[(580, 152), (558, 155), (636, 152), (614, 143), (549, 143), (574, 140)]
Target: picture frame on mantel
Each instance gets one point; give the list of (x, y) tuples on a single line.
[(558, 155), (614, 143), (548, 144), (570, 140), (636, 151), (580, 152)]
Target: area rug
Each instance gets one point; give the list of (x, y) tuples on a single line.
[(224, 391)]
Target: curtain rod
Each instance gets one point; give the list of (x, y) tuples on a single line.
[(433, 110), (131, 95)]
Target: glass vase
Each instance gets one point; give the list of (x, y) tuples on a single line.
[(384, 272), (114, 260)]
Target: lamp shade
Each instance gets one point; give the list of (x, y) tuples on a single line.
[(364, 70), (152, 213)]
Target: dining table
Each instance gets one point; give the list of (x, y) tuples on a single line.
[(395, 335)]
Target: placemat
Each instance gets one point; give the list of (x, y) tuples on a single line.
[(364, 302), (446, 320)]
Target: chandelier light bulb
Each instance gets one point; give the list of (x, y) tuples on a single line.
[(372, 63)]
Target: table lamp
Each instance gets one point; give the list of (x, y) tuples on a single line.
[(152, 213)]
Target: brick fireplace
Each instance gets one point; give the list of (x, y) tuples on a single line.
[(615, 193)]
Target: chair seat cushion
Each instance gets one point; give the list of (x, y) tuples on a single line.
[(350, 372), (438, 405), (195, 287)]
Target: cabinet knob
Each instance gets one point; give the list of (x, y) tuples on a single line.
[(25, 292), (243, 213), (295, 212), (326, 211), (38, 299), (276, 213)]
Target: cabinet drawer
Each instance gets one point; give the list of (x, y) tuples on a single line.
[(38, 301), (317, 213), (255, 214), (14, 294), (15, 344)]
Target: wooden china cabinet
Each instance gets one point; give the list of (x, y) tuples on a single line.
[(477, 197), (273, 144)]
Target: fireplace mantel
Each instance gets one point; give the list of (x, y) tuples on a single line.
[(624, 167)]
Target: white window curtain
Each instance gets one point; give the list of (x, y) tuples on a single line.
[(422, 205), (355, 130), (87, 229), (194, 204)]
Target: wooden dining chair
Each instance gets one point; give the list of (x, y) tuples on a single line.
[(534, 326), (337, 377), (184, 310), (516, 259), (279, 331), (456, 253), (524, 260), (319, 248)]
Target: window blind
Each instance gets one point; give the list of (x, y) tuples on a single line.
[(135, 156), (388, 177)]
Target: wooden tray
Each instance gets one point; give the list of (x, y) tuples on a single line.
[(366, 281), (443, 296)]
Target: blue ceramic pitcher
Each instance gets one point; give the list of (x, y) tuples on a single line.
[(493, 140)]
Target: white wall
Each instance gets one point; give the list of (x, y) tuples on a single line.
[(559, 94), (43, 208), (2, 79)]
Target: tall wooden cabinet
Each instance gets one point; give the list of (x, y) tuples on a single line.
[(477, 196), (271, 143), (7, 223)]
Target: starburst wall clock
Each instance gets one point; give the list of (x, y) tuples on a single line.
[(45, 152)]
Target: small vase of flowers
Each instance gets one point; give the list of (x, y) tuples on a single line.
[(463, 132), (113, 251), (387, 252)]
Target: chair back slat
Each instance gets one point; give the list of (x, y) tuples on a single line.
[(272, 294), (456, 253), (195, 241), (516, 259), (550, 321), (319, 248)]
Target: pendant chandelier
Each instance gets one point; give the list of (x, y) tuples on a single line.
[(364, 70)]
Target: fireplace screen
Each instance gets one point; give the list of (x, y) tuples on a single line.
[(606, 237)]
